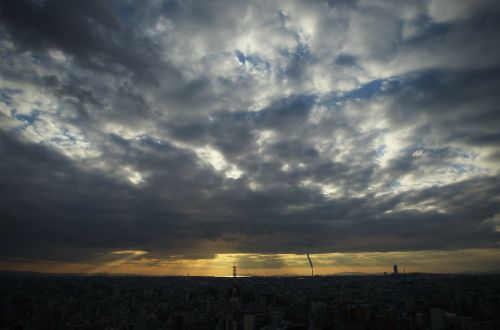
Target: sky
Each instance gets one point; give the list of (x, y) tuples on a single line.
[(175, 137)]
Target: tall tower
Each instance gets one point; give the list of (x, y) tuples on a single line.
[(396, 270), (234, 289), (310, 264)]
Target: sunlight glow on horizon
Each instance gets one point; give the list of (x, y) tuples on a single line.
[(138, 262)]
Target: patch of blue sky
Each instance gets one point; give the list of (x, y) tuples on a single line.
[(467, 169), (366, 91), (39, 58), (148, 139), (297, 60), (28, 119), (65, 139), (6, 95), (291, 107), (24, 120), (446, 152), (427, 28), (66, 134), (379, 152), (460, 168), (395, 185), (254, 60), (241, 57), (302, 51), (363, 92)]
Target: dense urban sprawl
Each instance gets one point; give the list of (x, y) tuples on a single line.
[(405, 301)]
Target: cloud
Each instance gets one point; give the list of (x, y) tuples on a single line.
[(194, 129), (88, 32), (259, 262)]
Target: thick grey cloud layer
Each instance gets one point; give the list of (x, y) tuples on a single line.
[(193, 128)]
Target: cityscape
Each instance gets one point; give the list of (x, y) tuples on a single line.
[(357, 302)]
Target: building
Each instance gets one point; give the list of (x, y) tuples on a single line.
[(249, 322)]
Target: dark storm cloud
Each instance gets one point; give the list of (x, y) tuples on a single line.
[(52, 204), (369, 224), (81, 209), (87, 30), (380, 135), (260, 262)]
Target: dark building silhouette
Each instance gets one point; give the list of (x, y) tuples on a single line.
[(372, 302)]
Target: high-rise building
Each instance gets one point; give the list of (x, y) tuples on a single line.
[(396, 270), (437, 319), (177, 322), (249, 322)]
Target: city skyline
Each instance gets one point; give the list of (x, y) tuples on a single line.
[(174, 137)]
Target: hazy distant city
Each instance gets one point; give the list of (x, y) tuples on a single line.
[(371, 302)]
